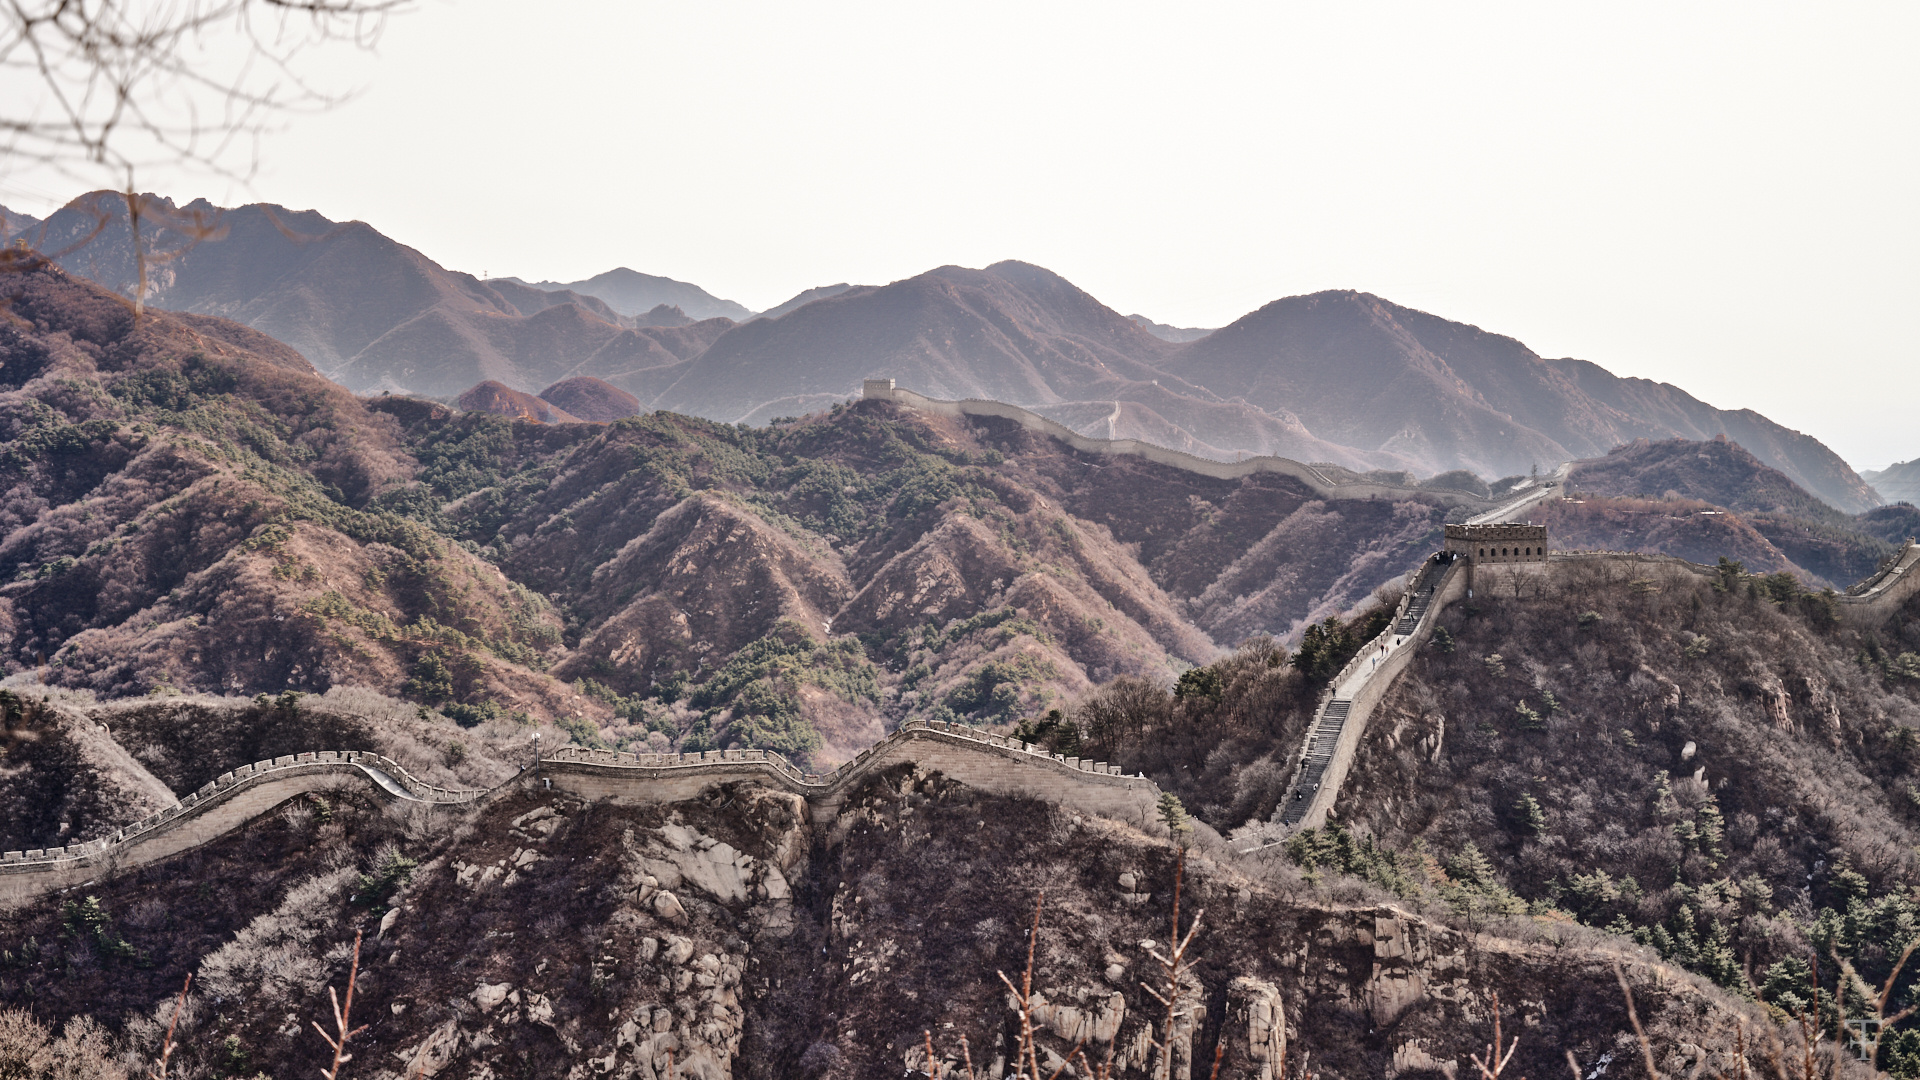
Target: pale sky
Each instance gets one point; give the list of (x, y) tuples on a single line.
[(1721, 196)]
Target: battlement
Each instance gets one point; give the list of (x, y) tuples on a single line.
[(1501, 543), (977, 758)]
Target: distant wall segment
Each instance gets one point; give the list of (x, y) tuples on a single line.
[(1322, 483)]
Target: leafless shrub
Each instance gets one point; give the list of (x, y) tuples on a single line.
[(28, 1051), (1174, 964), (1495, 1061), (269, 958), (1027, 1061), (298, 814)]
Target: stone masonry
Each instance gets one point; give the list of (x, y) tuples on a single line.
[(1504, 543)]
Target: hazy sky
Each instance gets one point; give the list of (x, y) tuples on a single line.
[(1718, 196)]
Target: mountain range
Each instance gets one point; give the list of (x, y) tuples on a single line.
[(1617, 777), (1340, 376), (1898, 482), (630, 292)]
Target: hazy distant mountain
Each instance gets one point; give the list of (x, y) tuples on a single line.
[(1011, 332), (1367, 373), (630, 292), (14, 223), (1342, 377), (1899, 482), (1179, 335), (820, 292), (370, 313)]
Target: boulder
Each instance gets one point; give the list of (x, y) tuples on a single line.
[(488, 995)]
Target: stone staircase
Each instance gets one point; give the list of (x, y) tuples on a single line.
[(1416, 609), (1319, 754)]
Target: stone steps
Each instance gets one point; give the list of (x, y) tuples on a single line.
[(1321, 746)]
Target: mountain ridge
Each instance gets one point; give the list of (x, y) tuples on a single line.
[(1339, 376), (631, 292), (1898, 482)]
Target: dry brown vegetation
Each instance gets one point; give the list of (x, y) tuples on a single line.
[(186, 515), (540, 935)]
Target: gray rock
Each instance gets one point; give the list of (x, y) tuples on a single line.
[(489, 995)]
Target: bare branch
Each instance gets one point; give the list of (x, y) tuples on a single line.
[(124, 84), (342, 1018), (166, 1046), (1646, 1046), (1496, 1062)]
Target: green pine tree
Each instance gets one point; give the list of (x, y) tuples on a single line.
[(1533, 819), (1179, 825)]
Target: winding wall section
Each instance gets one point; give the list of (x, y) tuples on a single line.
[(216, 809), (1333, 739), (976, 758)]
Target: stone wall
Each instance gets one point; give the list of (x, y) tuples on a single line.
[(976, 758), (970, 756), (1323, 484), (1892, 567), (1451, 587), (1501, 543), (220, 806), (1880, 595)]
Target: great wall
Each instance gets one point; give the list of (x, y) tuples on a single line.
[(1488, 548), (1326, 479), (976, 758)]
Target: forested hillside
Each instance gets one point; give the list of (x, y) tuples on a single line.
[(190, 509), (1717, 768)]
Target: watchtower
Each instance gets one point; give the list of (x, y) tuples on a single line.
[(1498, 543)]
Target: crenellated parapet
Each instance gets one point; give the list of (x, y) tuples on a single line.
[(977, 758), (218, 807)]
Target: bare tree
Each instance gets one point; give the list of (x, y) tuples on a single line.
[(96, 90), (122, 83)]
